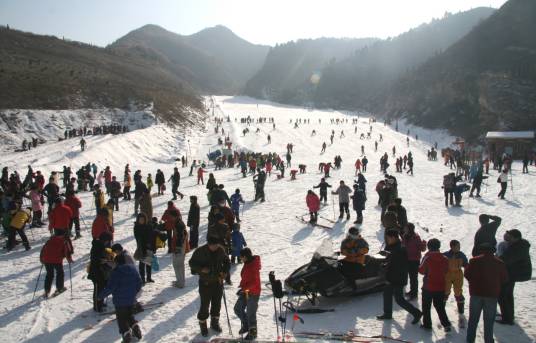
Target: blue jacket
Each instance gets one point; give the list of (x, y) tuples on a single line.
[(236, 199), (238, 242), (123, 285)]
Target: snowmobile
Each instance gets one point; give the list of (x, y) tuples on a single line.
[(323, 276)]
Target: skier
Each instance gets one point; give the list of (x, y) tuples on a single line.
[(313, 204), (83, 144), (249, 293), (238, 243), (364, 162), (200, 173), (434, 267), (449, 183), (193, 221), (212, 264), (236, 199), (124, 284), (323, 147), (19, 218), (323, 185), (503, 180), (396, 269), (344, 199), (362, 150), (357, 166), (99, 268), (259, 180), (74, 205), (52, 254), (269, 139)]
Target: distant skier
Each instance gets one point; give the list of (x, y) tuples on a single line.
[(323, 185), (83, 144), (323, 147), (236, 199)]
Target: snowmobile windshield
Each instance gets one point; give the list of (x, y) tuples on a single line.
[(324, 250)]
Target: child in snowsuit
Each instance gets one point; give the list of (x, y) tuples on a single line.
[(236, 199), (454, 277), (124, 284), (238, 243)]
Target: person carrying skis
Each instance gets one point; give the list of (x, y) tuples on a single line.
[(434, 267), (52, 254), (323, 185), (454, 278), (343, 191), (396, 269), (238, 243), (124, 284), (193, 221), (358, 203), (212, 264), (248, 296), (313, 204), (236, 199)]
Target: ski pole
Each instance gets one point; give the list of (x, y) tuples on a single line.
[(276, 321), (37, 283), (227, 312), (71, 279)]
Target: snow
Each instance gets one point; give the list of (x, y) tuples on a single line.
[(270, 228), (510, 134)]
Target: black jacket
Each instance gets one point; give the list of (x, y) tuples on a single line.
[(517, 260), (193, 216), (486, 234), (396, 265), (217, 262), (323, 187)]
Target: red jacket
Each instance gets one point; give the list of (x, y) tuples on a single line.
[(486, 273), (100, 225), (313, 202), (108, 176), (168, 219), (55, 250), (434, 267), (60, 217), (414, 246), (251, 276), (74, 204)]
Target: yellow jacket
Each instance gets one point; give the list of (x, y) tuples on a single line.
[(20, 218)]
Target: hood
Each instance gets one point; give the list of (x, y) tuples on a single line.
[(255, 262)]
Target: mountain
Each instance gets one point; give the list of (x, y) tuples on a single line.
[(351, 83), (214, 60), (49, 73), (486, 81), (288, 74)]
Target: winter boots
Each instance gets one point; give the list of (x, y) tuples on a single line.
[(252, 334), (127, 337), (136, 331), (203, 328), (215, 324)]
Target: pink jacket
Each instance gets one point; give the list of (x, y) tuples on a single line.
[(313, 202), (35, 197)]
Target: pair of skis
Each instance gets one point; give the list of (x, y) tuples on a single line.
[(303, 220), (347, 337)]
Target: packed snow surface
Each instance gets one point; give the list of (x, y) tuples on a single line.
[(270, 228)]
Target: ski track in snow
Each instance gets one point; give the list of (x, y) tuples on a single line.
[(270, 228)]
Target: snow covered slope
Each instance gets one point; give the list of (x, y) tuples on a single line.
[(270, 228)]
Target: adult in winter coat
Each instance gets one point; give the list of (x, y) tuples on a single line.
[(124, 284), (396, 274), (139, 192), (170, 217), (486, 233), (37, 206), (401, 213), (101, 225), (179, 247), (486, 274), (146, 204), (434, 267), (344, 199), (212, 264), (354, 249), (313, 204), (193, 221), (74, 205), (51, 191), (99, 267), (249, 293), (477, 181), (219, 194), (61, 216), (503, 180), (143, 233), (414, 246), (516, 257), (175, 182), (98, 195), (20, 216), (160, 180), (52, 254), (323, 185), (362, 182), (358, 203)]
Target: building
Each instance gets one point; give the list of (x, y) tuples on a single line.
[(514, 143)]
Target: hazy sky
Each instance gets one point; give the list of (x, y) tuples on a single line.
[(260, 21)]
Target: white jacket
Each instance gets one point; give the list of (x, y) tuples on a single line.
[(503, 177)]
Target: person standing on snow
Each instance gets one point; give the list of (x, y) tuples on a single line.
[(193, 221), (179, 247), (313, 204), (486, 233), (344, 199), (358, 203), (323, 185), (212, 264), (249, 294), (503, 180), (236, 199), (52, 254), (175, 182), (414, 246)]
